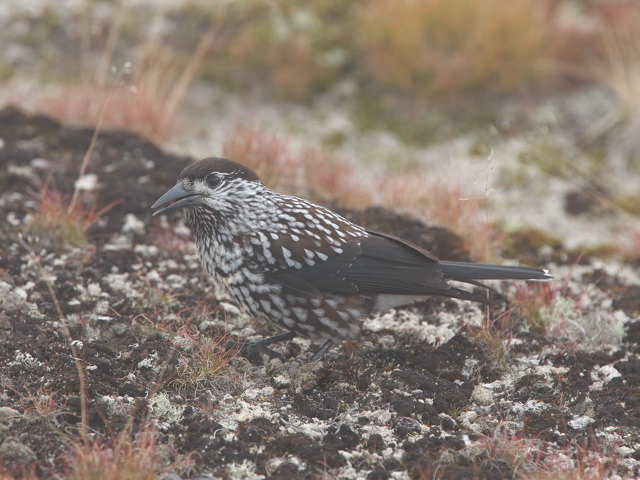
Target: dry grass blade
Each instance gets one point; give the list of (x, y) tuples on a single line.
[(204, 361), (57, 223), (125, 457), (619, 70)]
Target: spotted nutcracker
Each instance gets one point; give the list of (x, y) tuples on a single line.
[(302, 266)]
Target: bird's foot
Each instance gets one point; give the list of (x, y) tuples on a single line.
[(326, 346), (253, 351)]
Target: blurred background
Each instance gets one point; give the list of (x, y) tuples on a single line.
[(497, 119)]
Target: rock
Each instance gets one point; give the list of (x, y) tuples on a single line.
[(7, 413), (14, 452), (482, 396)]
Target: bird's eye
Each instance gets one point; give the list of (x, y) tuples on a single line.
[(213, 180)]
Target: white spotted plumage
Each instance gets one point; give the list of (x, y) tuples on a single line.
[(244, 231)]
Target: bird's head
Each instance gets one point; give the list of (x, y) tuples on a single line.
[(209, 185)]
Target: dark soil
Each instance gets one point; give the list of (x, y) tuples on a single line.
[(391, 404)]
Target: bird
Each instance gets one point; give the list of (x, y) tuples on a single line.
[(305, 268)]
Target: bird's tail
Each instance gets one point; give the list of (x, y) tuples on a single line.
[(469, 272)]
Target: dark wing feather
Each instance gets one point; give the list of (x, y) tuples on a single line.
[(412, 271), (296, 285), (373, 264), (391, 266), (369, 263), (465, 272), (326, 276)]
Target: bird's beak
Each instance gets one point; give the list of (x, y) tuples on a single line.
[(175, 199)]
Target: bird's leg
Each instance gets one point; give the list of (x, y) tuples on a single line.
[(321, 352), (251, 351)]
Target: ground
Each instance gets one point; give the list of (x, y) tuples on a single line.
[(444, 389)]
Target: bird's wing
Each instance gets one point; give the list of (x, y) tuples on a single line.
[(387, 264), (305, 265), (372, 263)]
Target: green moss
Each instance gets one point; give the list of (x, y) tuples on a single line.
[(369, 113), (548, 157), (525, 244), (335, 139), (420, 122), (628, 203), (55, 233), (480, 148), (602, 251)]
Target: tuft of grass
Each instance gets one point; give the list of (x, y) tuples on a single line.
[(205, 360), (135, 108), (143, 93), (496, 335), (509, 453), (128, 456), (617, 67), (430, 47), (533, 302), (551, 309), (59, 222), (43, 403)]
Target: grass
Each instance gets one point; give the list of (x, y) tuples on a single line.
[(496, 335), (617, 67), (268, 154), (127, 456), (293, 51), (59, 222), (142, 90), (42, 402), (304, 170), (205, 361), (534, 302), (552, 309), (512, 454), (441, 46)]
